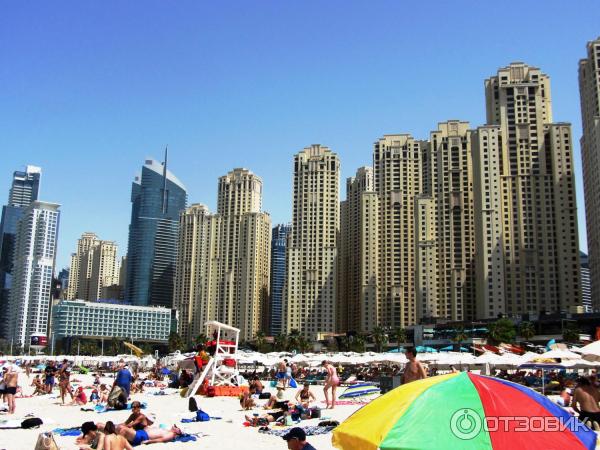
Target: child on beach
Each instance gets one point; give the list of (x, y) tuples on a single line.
[(80, 398)]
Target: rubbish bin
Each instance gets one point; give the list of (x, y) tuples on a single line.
[(386, 383)]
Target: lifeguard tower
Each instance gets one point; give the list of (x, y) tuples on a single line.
[(222, 368)]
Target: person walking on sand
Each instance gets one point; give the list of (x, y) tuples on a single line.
[(10, 378), (123, 378), (331, 381), (49, 373), (414, 369), (64, 383)]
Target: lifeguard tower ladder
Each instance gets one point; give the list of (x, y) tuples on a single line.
[(219, 373)]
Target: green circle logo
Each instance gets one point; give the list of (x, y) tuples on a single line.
[(465, 424)]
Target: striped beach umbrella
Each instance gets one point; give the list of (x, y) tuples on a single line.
[(462, 411)]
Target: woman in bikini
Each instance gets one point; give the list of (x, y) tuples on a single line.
[(114, 441), (304, 396), (331, 381)]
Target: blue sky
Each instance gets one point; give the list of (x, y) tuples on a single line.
[(88, 90)]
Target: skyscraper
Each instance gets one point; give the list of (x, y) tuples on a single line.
[(357, 303), (532, 201), (223, 260), (589, 90), (586, 292), (81, 267), (23, 191), (194, 291), (157, 198), (310, 302), (398, 173), (242, 253), (278, 275), (35, 252), (447, 291)]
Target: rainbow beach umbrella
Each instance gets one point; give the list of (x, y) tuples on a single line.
[(462, 411)]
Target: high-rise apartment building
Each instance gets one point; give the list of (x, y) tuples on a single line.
[(397, 176), (589, 90), (586, 291), (93, 268), (105, 269), (445, 226), (279, 237), (35, 251), (357, 290), (224, 260), (157, 198), (532, 201), (81, 267), (23, 191), (242, 256), (310, 301), (194, 292)]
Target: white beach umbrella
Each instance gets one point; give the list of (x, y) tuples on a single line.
[(559, 354), (591, 352)]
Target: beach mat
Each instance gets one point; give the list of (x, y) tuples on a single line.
[(310, 430)]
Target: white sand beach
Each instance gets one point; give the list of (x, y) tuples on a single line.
[(225, 433)]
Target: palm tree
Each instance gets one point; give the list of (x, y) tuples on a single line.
[(358, 343), (303, 344), (292, 341), (502, 330), (400, 336), (175, 342), (571, 334), (459, 337), (259, 337), (281, 342), (526, 330), (380, 338)]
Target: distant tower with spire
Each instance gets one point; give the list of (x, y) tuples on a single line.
[(157, 198)]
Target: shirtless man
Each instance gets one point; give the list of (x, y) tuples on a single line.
[(135, 422), (585, 400), (10, 378), (281, 371), (150, 435), (414, 370)]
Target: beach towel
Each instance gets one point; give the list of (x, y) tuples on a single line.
[(350, 402), (103, 409), (184, 438), (75, 431), (310, 430)]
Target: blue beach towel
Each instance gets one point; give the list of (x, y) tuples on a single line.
[(184, 438), (67, 431)]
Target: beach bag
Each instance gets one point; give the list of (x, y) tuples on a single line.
[(192, 405), (201, 416), (315, 413), (115, 399), (31, 422), (45, 441)]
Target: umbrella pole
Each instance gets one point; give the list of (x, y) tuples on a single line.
[(543, 384)]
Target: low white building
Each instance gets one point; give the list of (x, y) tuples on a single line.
[(100, 320)]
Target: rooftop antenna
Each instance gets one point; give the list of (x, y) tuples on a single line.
[(164, 199)]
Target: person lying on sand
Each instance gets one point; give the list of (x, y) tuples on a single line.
[(150, 435)]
